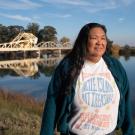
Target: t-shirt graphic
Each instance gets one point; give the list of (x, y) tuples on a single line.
[(95, 106)]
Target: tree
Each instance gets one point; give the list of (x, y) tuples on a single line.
[(115, 50), (126, 47), (48, 33), (7, 34), (64, 40), (127, 51), (3, 34), (109, 45), (14, 30), (33, 28)]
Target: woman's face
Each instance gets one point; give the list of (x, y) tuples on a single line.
[(96, 44)]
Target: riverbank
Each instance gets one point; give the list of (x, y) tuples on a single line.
[(19, 114)]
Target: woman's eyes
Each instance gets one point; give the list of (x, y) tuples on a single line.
[(103, 38), (93, 38)]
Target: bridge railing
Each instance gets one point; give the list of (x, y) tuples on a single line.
[(52, 44), (18, 44)]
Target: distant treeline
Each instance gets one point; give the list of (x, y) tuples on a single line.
[(122, 50), (47, 33)]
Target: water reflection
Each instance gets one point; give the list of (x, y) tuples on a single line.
[(29, 67), (32, 75), (26, 67)]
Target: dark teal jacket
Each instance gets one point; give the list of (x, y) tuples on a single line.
[(58, 105)]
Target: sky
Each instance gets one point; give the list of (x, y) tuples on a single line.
[(69, 16)]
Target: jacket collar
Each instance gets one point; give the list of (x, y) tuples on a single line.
[(110, 64)]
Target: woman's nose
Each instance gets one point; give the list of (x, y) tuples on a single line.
[(99, 41)]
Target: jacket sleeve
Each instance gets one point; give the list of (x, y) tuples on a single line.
[(49, 114), (127, 126)]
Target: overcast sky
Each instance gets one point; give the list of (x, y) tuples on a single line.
[(68, 16)]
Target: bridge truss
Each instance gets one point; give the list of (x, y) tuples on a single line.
[(28, 42)]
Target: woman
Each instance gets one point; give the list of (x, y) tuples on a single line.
[(89, 90)]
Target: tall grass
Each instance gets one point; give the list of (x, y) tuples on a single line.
[(19, 114)]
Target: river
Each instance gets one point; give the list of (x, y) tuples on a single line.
[(31, 76)]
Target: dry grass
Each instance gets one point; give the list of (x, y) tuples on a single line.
[(19, 114)]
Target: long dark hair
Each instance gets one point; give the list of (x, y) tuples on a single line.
[(78, 54)]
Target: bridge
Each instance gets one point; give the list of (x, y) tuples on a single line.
[(28, 42), (28, 67)]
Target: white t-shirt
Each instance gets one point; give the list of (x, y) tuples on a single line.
[(96, 101)]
